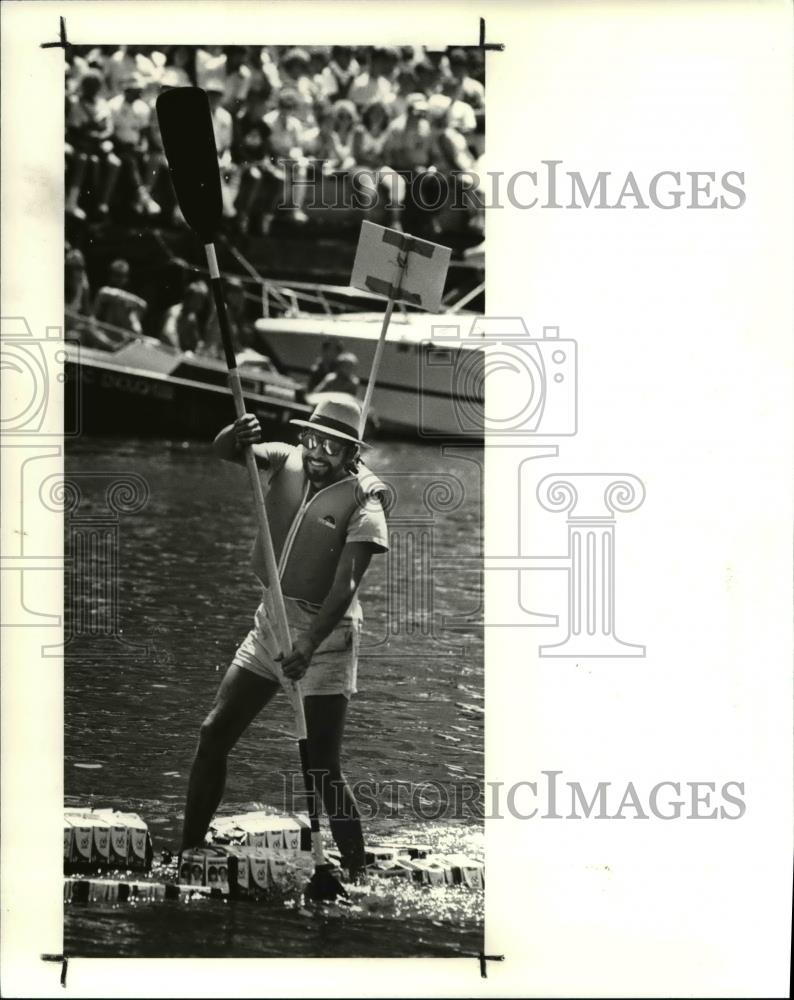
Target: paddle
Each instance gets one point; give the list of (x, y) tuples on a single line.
[(189, 144)]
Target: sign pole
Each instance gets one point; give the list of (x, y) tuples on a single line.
[(416, 276), (402, 261)]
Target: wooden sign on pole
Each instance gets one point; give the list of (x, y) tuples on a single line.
[(400, 267)]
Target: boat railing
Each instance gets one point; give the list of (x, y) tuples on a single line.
[(466, 299), (290, 299)]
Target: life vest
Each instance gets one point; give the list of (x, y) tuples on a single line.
[(309, 535)]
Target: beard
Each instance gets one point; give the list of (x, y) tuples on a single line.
[(319, 471)]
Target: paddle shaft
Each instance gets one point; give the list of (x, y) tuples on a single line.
[(281, 626)]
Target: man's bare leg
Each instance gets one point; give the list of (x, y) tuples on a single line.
[(325, 726), (241, 696)]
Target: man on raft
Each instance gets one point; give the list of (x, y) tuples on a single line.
[(326, 521)]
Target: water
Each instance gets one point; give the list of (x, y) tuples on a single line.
[(183, 599)]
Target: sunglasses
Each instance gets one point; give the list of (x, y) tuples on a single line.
[(331, 448)]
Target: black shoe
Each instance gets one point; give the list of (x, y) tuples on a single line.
[(356, 869), (324, 885)]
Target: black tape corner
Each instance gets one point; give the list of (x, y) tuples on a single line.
[(488, 46), (484, 959), (64, 964), (62, 43)]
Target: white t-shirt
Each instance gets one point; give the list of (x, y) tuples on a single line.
[(237, 86), (130, 120), (222, 129), (122, 64), (210, 68), (286, 134), (365, 89)]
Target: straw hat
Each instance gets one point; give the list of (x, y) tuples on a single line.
[(336, 415)]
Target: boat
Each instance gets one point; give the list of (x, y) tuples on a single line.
[(144, 388), (430, 381)]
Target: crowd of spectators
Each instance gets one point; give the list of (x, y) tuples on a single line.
[(114, 315), (107, 319), (289, 124)]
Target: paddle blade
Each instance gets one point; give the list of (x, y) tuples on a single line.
[(189, 144)]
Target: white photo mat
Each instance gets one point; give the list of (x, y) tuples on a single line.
[(683, 321)]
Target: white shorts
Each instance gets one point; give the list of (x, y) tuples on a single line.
[(334, 665)]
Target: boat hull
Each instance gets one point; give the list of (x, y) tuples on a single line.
[(142, 395)]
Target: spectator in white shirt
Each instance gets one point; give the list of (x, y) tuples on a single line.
[(89, 127), (461, 113), (428, 77), (130, 113), (329, 142), (451, 158), (221, 122), (345, 121), (286, 131), (76, 68), (131, 118), (337, 77), (265, 65), (375, 84), (319, 57), (470, 90), (294, 70), (449, 151), (210, 66), (440, 62), (154, 160), (79, 321), (408, 140), (180, 67), (116, 309), (223, 129), (251, 152), (185, 322), (238, 78), (126, 61), (405, 83), (407, 150), (286, 162), (373, 176), (77, 296)]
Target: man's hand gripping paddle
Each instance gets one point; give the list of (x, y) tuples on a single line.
[(189, 143)]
